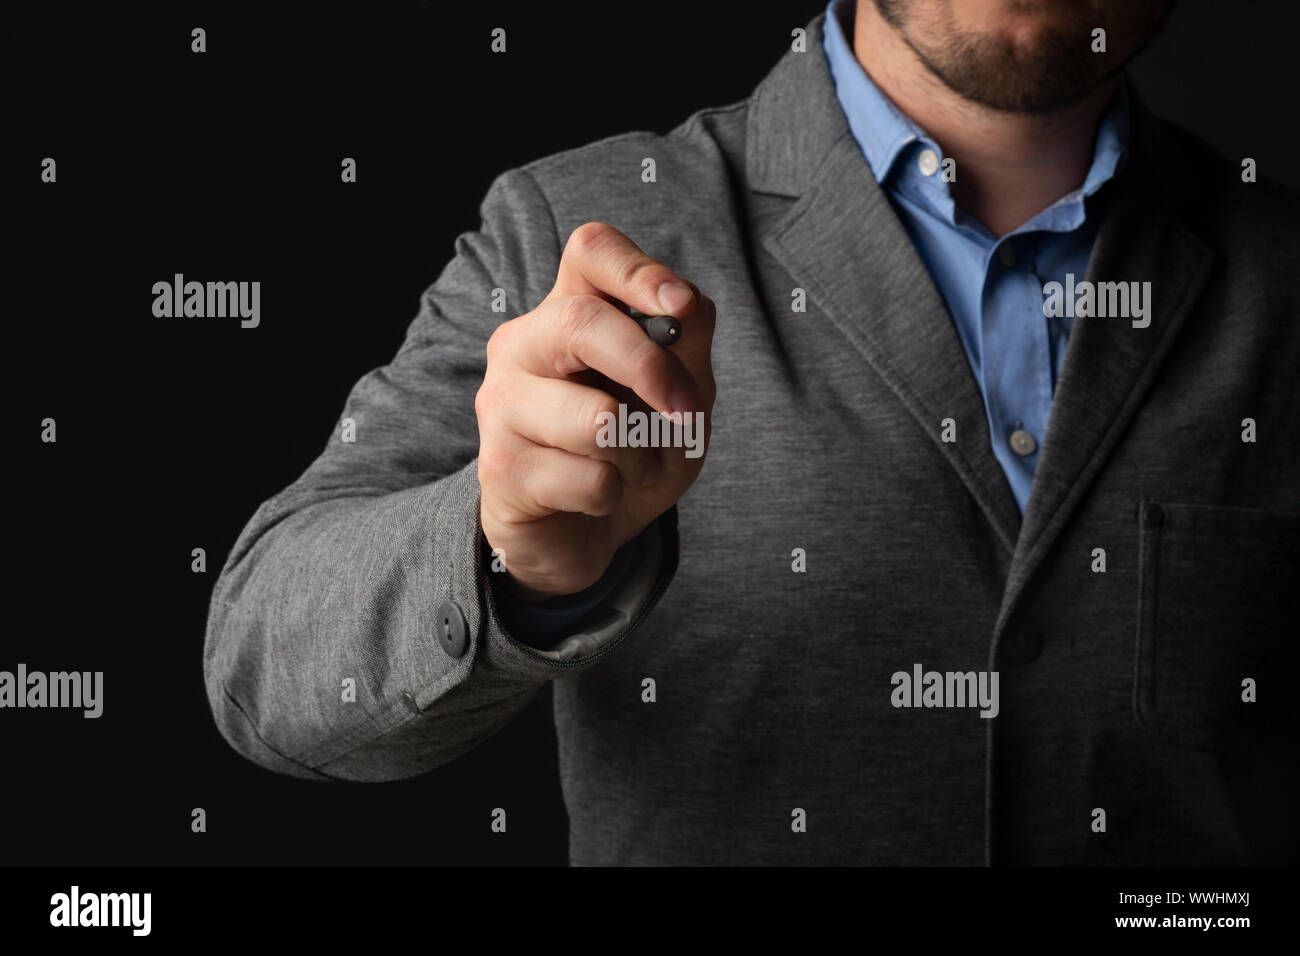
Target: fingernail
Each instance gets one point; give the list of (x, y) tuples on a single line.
[(675, 296)]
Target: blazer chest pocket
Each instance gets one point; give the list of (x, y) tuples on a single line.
[(1217, 605)]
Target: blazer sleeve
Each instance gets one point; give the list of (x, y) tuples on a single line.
[(352, 633)]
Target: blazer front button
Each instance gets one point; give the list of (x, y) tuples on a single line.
[(453, 634), (1022, 645)]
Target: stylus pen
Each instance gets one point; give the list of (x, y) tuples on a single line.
[(662, 329)]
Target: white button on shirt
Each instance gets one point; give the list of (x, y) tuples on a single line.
[(1022, 443), (927, 162)]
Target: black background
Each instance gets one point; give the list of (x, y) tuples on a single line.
[(225, 165)]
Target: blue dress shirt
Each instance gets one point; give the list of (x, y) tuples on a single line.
[(993, 287)]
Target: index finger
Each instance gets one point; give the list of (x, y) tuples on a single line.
[(600, 260), (580, 332)]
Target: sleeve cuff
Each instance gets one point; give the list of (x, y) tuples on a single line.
[(613, 601), (542, 625)]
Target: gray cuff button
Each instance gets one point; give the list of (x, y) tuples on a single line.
[(453, 633)]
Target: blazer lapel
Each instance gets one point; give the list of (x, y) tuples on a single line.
[(843, 242), (1109, 364)]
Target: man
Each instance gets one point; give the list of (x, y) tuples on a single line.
[(991, 558)]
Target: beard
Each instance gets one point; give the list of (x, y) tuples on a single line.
[(1057, 71)]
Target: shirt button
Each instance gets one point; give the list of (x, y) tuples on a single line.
[(1007, 255), (927, 162), (1022, 443)]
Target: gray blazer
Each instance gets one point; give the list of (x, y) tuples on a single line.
[(1120, 690)]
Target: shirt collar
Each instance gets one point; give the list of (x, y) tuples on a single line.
[(881, 129)]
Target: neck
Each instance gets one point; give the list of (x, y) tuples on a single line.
[(1010, 166)]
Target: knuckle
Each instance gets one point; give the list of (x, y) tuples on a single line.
[(487, 400), (576, 313), (496, 342), (493, 465), (649, 363), (599, 407), (642, 273), (586, 237), (604, 490)]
